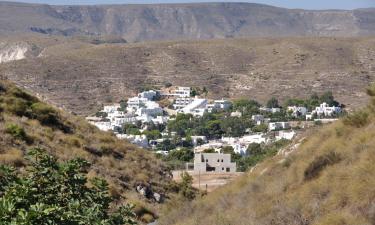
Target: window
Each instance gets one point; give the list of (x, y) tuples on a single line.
[(218, 160), (228, 169), (222, 160), (206, 160), (222, 168)]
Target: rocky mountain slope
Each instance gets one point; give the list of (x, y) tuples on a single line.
[(182, 21), (26, 123), (82, 76), (325, 179)]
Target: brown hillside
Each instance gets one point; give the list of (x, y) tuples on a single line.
[(27, 123), (82, 79)]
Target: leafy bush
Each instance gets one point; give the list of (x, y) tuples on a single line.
[(319, 163), (48, 116), (57, 193), (186, 188), (16, 131), (17, 106), (357, 119)]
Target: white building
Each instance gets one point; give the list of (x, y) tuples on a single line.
[(182, 102), (258, 119), (216, 145), (213, 162), (196, 107), (121, 120), (219, 105), (150, 95), (196, 139), (270, 110), (287, 135), (236, 114), (160, 120), (278, 126), (254, 138), (103, 125), (150, 108), (182, 92), (325, 110), (136, 103), (297, 111), (111, 108), (140, 140)]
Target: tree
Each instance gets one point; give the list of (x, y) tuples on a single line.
[(254, 149), (123, 105), (328, 98), (152, 134), (186, 188), (273, 103), (57, 193)]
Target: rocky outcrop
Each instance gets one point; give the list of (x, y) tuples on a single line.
[(11, 52), (146, 192)]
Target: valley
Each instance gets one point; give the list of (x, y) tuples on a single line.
[(218, 113)]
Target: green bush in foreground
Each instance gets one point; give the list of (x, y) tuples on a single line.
[(56, 193)]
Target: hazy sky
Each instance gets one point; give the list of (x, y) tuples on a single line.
[(305, 4)]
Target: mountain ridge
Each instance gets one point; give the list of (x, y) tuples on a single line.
[(188, 21)]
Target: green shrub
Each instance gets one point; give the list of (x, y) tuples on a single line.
[(18, 93), (45, 114), (48, 116), (319, 163), (16, 131), (57, 193), (357, 119), (17, 106)]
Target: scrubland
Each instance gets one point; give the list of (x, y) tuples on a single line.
[(327, 180)]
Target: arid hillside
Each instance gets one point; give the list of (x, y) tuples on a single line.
[(182, 21), (26, 123), (327, 178), (81, 77)]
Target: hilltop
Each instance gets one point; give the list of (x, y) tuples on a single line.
[(326, 178), (182, 21), (26, 123), (80, 76)]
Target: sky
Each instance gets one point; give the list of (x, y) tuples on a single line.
[(302, 4)]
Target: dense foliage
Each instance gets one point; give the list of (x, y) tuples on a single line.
[(56, 193)]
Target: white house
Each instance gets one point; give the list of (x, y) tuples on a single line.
[(270, 110), (325, 110), (287, 135), (258, 119), (213, 162), (297, 111), (182, 102), (278, 126), (121, 120), (103, 125), (160, 120), (111, 108), (254, 138), (140, 140), (182, 92), (236, 114), (150, 108), (136, 103), (197, 103)]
